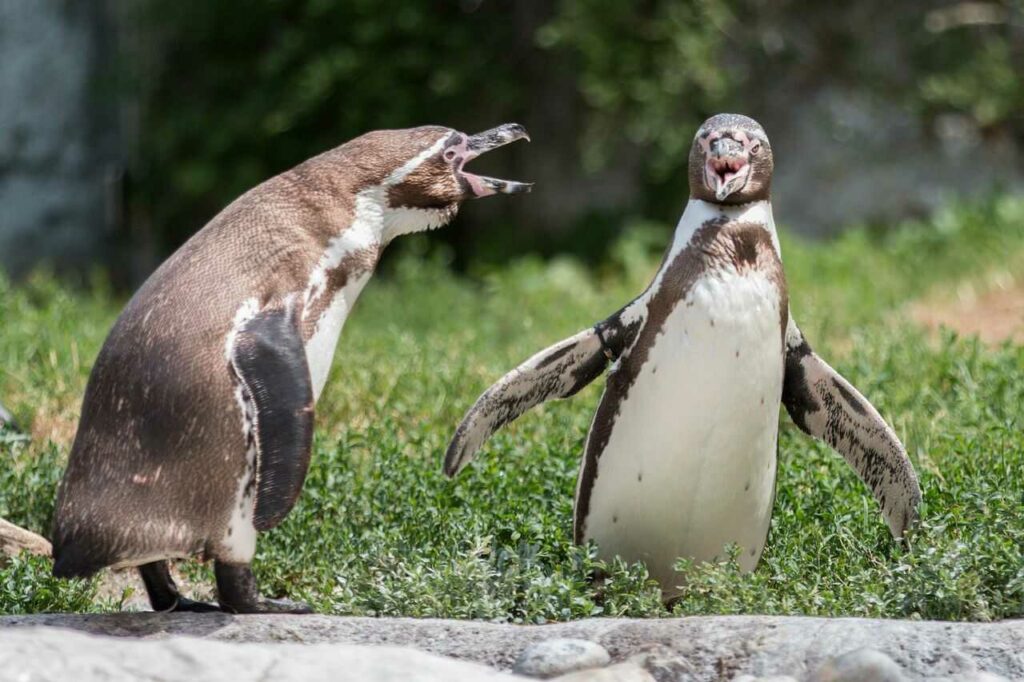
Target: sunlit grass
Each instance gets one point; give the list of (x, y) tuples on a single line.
[(379, 530)]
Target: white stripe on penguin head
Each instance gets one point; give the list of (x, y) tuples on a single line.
[(403, 171)]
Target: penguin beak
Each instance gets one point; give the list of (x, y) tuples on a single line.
[(727, 167), (480, 185)]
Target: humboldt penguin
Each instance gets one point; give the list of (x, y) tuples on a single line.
[(681, 456), (197, 420)]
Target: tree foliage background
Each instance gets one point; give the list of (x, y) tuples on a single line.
[(229, 92)]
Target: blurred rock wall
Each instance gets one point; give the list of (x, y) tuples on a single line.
[(58, 160), (847, 148)]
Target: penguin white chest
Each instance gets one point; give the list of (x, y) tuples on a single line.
[(354, 251), (321, 345), (690, 463)]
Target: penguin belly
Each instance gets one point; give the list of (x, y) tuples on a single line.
[(690, 462)]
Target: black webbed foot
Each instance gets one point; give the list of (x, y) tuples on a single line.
[(163, 593), (237, 593), (265, 605), (192, 606)]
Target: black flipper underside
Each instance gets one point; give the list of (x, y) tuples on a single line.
[(825, 405), (269, 361), (558, 371)]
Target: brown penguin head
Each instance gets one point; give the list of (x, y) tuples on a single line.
[(425, 178), (730, 161)]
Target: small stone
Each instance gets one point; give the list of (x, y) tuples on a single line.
[(620, 672), (663, 663), (559, 656), (860, 665), (971, 677)]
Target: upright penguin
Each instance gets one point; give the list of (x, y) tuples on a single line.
[(681, 455), (197, 420)]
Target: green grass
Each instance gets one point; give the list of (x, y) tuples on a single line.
[(378, 529)]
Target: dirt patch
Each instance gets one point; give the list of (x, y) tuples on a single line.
[(125, 588), (994, 315), (55, 423)]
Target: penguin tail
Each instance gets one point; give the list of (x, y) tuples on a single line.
[(75, 565), (75, 556)]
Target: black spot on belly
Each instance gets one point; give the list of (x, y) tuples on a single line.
[(747, 486), (752, 552), (712, 322), (639, 476), (615, 518), (230, 531), (737, 353)]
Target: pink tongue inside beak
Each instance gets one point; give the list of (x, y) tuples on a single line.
[(481, 143), (484, 186), (476, 185), (726, 175)]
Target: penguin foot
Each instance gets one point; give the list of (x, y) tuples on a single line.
[(163, 593), (265, 605), (192, 606), (237, 592)]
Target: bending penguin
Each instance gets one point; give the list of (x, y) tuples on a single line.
[(681, 455), (197, 420)]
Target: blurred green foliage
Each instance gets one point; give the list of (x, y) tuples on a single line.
[(971, 61), (650, 69), (231, 92)]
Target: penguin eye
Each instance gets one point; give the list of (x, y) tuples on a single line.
[(449, 155), (755, 148)]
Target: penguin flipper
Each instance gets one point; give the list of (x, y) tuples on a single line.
[(269, 361), (825, 405), (559, 371)]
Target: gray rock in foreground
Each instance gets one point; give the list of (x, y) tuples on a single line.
[(705, 648), (860, 665), (52, 655), (971, 677)]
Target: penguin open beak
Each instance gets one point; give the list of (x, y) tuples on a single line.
[(727, 167), (480, 185)]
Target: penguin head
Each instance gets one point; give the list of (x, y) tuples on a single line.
[(730, 161), (427, 181)]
